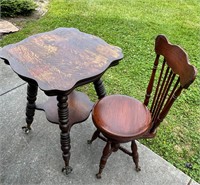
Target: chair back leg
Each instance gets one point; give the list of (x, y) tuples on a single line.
[(94, 136)]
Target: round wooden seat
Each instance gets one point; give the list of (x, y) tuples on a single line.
[(121, 117)]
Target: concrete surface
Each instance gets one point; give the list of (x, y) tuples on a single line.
[(36, 158), (8, 79)]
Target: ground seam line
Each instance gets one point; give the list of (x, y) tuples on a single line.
[(12, 89)]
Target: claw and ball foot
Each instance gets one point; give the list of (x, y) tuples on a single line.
[(137, 168), (98, 176), (94, 136), (67, 170), (135, 156), (26, 129), (89, 142)]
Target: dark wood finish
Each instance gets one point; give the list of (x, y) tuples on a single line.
[(122, 119), (99, 87), (150, 86), (30, 106), (115, 116), (176, 73), (79, 106), (107, 151), (135, 155), (61, 59), (177, 59), (57, 62), (63, 115), (94, 136)]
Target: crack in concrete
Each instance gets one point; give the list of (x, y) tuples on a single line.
[(12, 89)]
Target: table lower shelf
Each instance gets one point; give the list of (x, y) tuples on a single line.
[(79, 106)]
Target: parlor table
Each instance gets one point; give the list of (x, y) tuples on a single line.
[(57, 62)]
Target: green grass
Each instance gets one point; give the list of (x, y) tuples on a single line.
[(133, 26)]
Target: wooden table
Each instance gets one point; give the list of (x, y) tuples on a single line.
[(57, 62)]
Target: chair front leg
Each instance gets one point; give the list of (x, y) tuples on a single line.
[(135, 155), (106, 153)]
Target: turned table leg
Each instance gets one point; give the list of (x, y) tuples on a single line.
[(30, 106), (63, 114), (99, 87)]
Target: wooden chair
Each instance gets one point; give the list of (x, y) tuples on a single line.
[(123, 119)]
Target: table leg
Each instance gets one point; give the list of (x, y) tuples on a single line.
[(30, 106), (63, 114), (99, 87)]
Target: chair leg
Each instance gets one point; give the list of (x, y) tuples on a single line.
[(135, 155), (106, 153), (94, 136)]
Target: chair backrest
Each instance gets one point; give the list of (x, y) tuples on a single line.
[(174, 73)]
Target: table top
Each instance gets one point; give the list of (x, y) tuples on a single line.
[(61, 59)]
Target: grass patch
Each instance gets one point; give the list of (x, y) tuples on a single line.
[(133, 26)]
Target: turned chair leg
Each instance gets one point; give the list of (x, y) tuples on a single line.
[(94, 136), (135, 155), (106, 153)]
